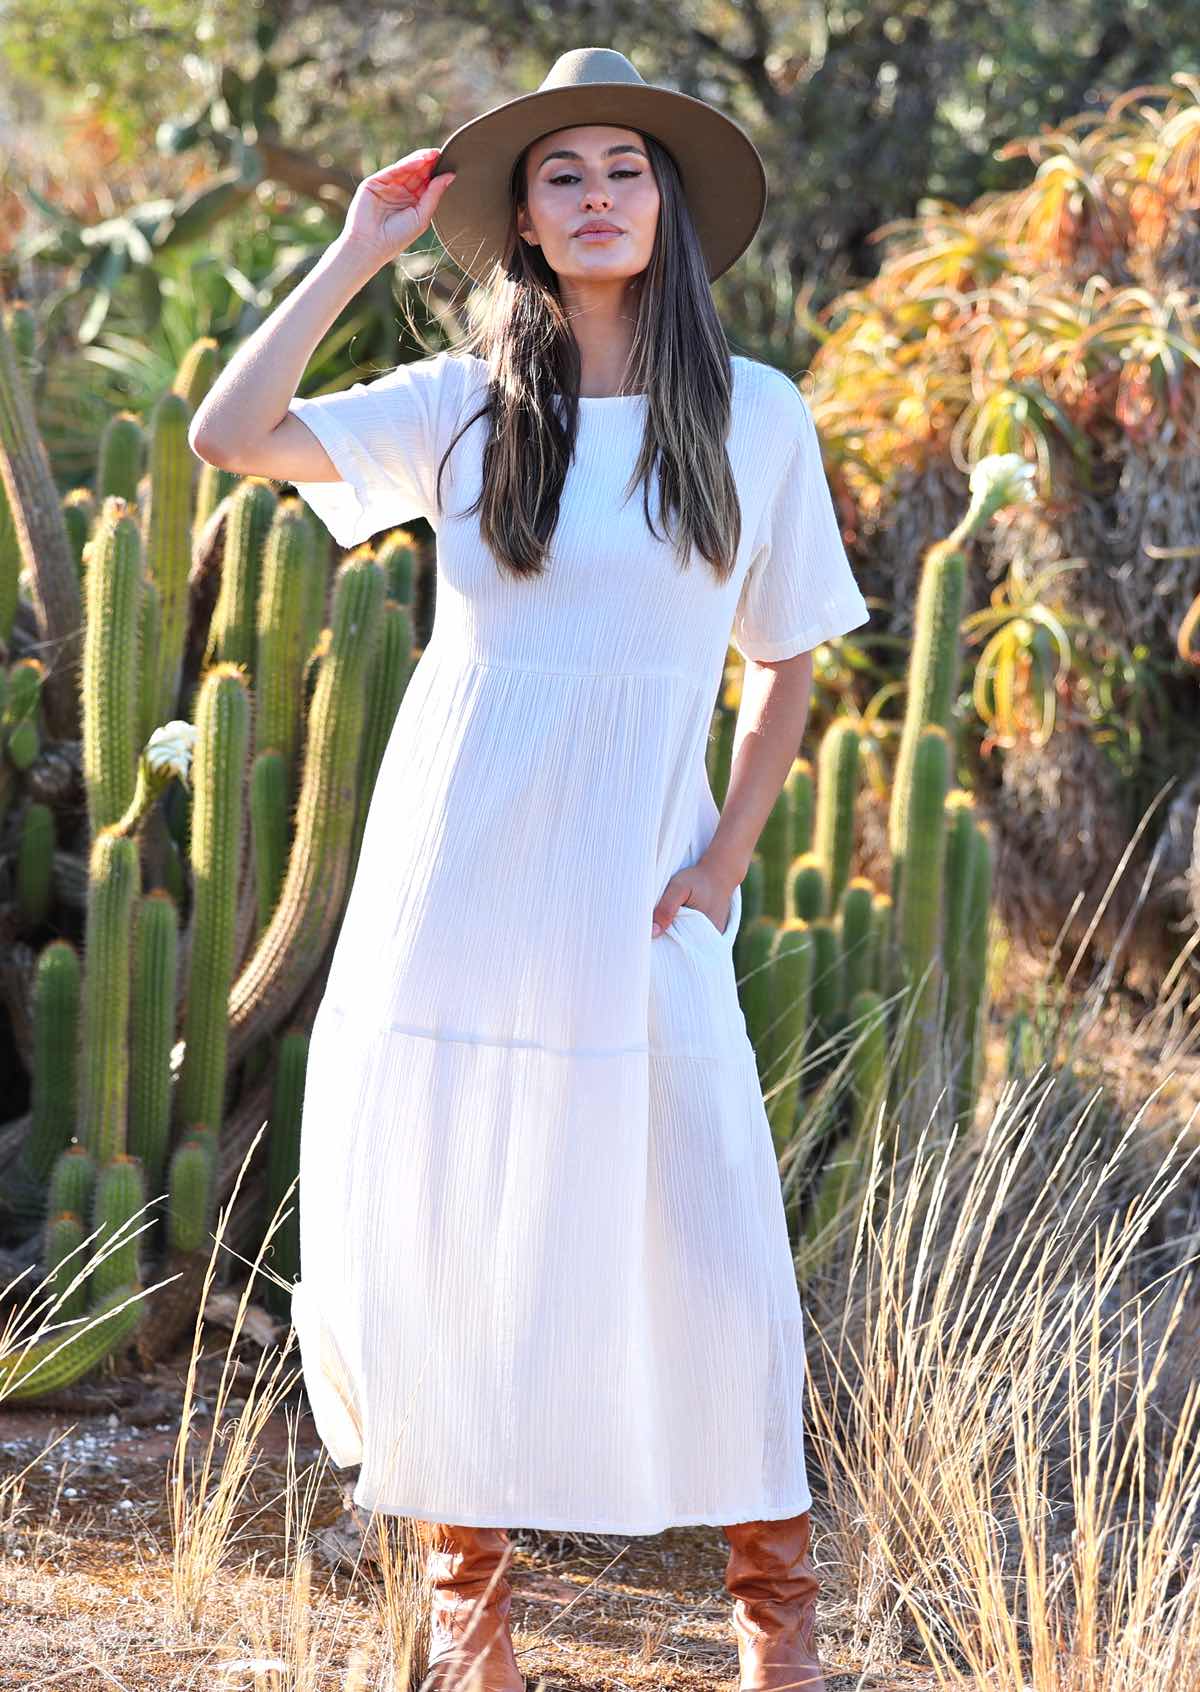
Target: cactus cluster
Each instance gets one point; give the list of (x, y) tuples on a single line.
[(186, 808), (842, 978)]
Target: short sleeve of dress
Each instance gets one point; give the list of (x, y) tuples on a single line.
[(799, 589), (383, 438)]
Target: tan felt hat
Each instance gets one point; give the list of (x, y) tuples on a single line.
[(723, 176)]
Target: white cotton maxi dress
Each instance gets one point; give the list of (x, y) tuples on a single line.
[(545, 1277)]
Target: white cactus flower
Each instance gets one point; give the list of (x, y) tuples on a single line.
[(1003, 478), (169, 749)]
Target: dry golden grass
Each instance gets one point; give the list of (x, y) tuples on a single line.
[(1002, 1336)]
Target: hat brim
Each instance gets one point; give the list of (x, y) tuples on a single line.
[(724, 180)]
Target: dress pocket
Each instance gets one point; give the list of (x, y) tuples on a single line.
[(703, 925)]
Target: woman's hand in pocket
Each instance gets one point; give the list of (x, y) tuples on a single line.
[(702, 889)]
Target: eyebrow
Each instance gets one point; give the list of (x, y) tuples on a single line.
[(569, 153)]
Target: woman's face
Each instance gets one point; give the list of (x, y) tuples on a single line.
[(592, 173)]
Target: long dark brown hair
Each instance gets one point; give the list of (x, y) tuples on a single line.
[(679, 359)]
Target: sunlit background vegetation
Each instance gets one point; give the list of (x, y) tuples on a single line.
[(967, 954)]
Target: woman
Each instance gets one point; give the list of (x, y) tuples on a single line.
[(546, 1275)]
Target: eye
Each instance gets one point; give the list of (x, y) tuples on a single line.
[(569, 176)]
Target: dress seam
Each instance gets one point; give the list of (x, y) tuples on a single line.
[(537, 670), (537, 1046)]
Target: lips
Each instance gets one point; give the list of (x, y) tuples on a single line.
[(598, 229)]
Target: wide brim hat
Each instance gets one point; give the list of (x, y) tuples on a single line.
[(723, 176)]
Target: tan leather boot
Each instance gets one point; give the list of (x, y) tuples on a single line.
[(774, 1586), (470, 1647)]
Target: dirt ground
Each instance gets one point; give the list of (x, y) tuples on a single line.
[(85, 1570)]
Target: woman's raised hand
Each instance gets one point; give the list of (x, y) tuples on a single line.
[(395, 205)]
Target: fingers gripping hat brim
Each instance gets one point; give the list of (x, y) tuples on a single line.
[(723, 177)]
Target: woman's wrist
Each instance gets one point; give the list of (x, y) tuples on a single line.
[(356, 260)]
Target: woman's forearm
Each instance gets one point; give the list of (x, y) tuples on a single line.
[(769, 731), (252, 393)]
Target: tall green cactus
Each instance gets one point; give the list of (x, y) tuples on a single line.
[(119, 461), (60, 1359), (149, 637), (34, 507), (167, 531), (289, 559), (386, 681), (72, 1182), (22, 701), (808, 887), (79, 515), (827, 980), (960, 826), (152, 1029), (233, 632), (192, 1188), (837, 789), (848, 1157), (776, 849), (119, 1198), (270, 828), (35, 863), (974, 975), (283, 1166), (856, 934), (793, 967), (309, 904), (54, 1090), (932, 681), (111, 689), (398, 560), (198, 370), (921, 891), (801, 784), (753, 954), (62, 1253), (113, 878), (218, 775)]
